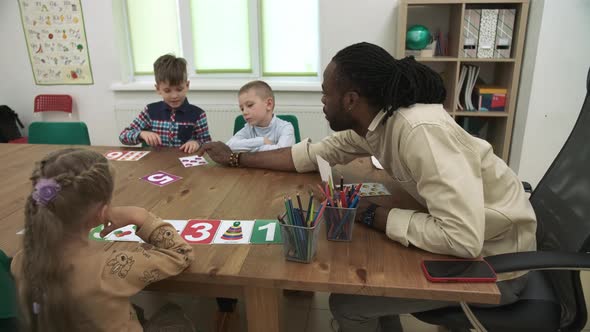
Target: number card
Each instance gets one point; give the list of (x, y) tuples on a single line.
[(234, 232), (179, 225), (266, 231), (94, 233), (200, 231), (193, 161), (125, 155), (126, 233), (372, 189), (161, 178)]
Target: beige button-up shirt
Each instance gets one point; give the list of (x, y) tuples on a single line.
[(476, 204)]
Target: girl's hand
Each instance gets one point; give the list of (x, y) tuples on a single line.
[(121, 216)]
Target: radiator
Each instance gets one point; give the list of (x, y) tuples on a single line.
[(221, 118)]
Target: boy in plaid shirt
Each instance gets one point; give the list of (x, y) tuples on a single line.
[(172, 122)]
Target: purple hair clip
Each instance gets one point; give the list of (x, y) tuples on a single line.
[(45, 191)]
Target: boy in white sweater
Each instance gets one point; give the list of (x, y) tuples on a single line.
[(263, 131)]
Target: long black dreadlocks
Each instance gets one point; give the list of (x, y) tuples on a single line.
[(387, 83)]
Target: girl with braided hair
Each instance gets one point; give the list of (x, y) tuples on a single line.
[(66, 282), (468, 202)]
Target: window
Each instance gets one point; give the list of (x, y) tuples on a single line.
[(153, 31), (236, 37)]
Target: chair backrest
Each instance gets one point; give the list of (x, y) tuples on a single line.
[(7, 289), (59, 133), (57, 103), (562, 204), (239, 123)]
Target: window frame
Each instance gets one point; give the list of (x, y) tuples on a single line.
[(186, 47)]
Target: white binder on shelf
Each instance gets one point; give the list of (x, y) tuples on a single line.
[(487, 33), (471, 23), (472, 74), (460, 85), (504, 33)]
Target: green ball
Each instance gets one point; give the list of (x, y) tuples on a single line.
[(417, 37)]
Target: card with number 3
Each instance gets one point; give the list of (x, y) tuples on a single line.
[(200, 231)]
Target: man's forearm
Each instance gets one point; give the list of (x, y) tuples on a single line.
[(278, 160)]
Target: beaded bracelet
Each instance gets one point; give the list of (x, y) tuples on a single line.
[(234, 159)]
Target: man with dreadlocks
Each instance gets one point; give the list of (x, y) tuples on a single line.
[(472, 204)]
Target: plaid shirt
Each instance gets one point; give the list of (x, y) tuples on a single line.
[(175, 127)]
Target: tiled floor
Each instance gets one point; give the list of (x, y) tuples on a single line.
[(305, 313)]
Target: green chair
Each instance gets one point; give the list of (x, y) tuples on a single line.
[(8, 308), (240, 122), (75, 133)]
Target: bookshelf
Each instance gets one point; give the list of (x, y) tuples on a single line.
[(447, 16)]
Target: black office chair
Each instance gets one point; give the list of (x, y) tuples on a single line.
[(553, 299)]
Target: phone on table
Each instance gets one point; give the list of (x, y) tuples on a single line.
[(458, 270)]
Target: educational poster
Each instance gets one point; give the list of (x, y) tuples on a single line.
[(56, 41)]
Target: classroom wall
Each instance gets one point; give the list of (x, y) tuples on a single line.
[(342, 23), (553, 83), (542, 121)]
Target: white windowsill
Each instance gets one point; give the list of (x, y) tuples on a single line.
[(223, 85)]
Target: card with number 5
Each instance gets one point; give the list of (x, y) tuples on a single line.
[(200, 231), (161, 178)]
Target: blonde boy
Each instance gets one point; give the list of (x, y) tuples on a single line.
[(263, 131)]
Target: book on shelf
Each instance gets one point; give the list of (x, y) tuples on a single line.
[(491, 98), (467, 80)]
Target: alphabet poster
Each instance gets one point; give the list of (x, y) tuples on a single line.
[(56, 40)]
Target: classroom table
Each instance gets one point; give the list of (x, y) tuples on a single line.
[(369, 265)]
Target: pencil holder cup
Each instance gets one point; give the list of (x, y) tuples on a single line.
[(339, 223), (300, 243)]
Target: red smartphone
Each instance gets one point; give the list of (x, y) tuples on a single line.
[(458, 270)]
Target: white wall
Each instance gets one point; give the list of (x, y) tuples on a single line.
[(543, 120), (342, 22), (553, 83)]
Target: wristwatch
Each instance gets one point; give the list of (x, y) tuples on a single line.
[(368, 216)]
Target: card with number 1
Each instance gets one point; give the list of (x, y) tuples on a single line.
[(266, 231)]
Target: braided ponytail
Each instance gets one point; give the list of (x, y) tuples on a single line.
[(85, 179), (387, 83)]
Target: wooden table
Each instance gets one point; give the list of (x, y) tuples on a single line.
[(370, 265)]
